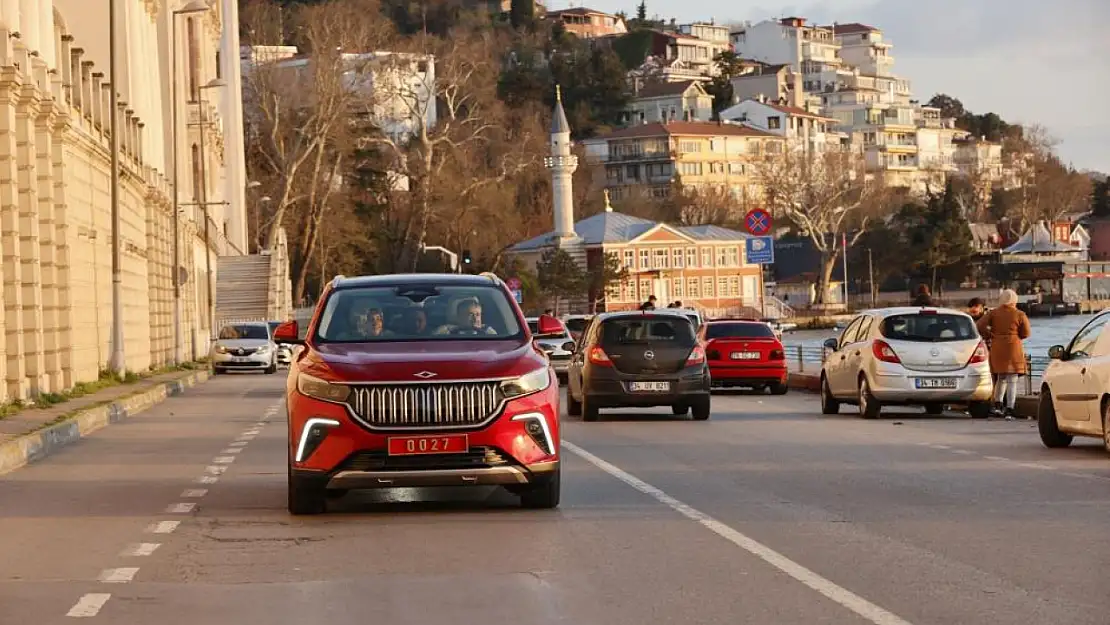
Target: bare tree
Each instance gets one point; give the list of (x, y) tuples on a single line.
[(825, 195)]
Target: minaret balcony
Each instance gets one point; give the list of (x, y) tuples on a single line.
[(557, 162)]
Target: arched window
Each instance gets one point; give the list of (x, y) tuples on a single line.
[(194, 58)]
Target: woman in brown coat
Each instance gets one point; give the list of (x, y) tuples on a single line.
[(1005, 328)]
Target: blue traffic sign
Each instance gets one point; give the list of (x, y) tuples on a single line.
[(518, 295), (760, 250), (758, 222)]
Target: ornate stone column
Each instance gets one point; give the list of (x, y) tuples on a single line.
[(66, 66), (27, 111), (62, 127), (11, 83), (48, 110)]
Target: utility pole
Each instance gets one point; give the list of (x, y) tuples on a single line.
[(844, 243), (119, 359), (871, 277)]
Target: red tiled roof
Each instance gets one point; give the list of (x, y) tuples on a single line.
[(579, 11), (693, 129), (854, 27), (794, 110)]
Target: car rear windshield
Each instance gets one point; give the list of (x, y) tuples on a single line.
[(738, 331), (673, 330), (928, 328), (244, 331), (418, 312)]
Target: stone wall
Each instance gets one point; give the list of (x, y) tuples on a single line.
[(56, 230)]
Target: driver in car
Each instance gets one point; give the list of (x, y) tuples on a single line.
[(470, 321)]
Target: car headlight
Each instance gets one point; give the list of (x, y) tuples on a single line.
[(220, 349), (322, 389), (527, 384)]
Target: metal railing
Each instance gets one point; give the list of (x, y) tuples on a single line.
[(809, 360)]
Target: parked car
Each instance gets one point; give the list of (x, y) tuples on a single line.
[(638, 359), (744, 353), (1075, 388), (575, 324), (907, 356), (558, 346), (243, 347), (467, 400)]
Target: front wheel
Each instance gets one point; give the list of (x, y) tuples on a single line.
[(544, 495), (1047, 426), (574, 407), (305, 498), (272, 368)]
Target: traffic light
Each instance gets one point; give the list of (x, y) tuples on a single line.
[(466, 257)]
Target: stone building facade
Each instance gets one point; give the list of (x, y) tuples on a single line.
[(55, 188)]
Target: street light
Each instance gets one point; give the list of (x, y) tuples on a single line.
[(202, 123), (196, 6), (118, 362)]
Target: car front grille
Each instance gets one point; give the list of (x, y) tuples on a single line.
[(241, 351), (435, 405), (475, 458)]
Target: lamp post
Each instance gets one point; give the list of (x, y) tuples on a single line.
[(118, 361), (202, 123), (196, 6)]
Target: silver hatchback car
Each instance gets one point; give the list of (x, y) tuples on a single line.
[(907, 357), (244, 347)]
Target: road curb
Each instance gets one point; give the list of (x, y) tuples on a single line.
[(46, 442), (1026, 404)]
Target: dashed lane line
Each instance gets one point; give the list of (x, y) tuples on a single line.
[(180, 508), (194, 493), (89, 605), (118, 576), (140, 550), (162, 527)]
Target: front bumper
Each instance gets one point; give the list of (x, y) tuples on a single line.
[(352, 456), (896, 385), (609, 388), (250, 361)]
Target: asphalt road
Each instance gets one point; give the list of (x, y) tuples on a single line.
[(768, 514)]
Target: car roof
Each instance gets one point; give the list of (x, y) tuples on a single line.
[(399, 279), (909, 310), (624, 314), (734, 320)]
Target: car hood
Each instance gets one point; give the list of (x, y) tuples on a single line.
[(403, 361), (237, 343)]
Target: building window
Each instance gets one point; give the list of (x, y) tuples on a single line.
[(193, 57), (678, 288), (707, 287), (645, 289), (722, 257), (722, 287), (733, 256), (691, 257), (734, 286), (707, 257), (693, 289), (629, 289), (629, 261), (774, 123), (644, 259), (661, 259), (679, 260), (613, 292)]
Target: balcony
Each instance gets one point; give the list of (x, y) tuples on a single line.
[(655, 155)]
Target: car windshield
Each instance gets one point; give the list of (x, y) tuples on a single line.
[(418, 312), (576, 325), (648, 329), (738, 331), (244, 331), (928, 328)]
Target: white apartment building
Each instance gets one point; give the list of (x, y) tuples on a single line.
[(669, 101), (862, 46), (707, 31), (810, 131)]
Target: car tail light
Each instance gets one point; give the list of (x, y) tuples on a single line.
[(697, 356), (980, 354), (599, 357), (778, 354), (885, 352)]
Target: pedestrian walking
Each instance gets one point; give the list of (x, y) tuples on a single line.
[(649, 304), (924, 297), (1005, 327)]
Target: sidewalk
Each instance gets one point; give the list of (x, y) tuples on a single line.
[(34, 433)]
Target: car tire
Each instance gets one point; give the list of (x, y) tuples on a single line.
[(544, 495), (589, 410), (779, 389), (272, 368), (574, 407), (305, 497), (701, 408), (934, 409), (679, 409), (218, 371), (979, 409), (1106, 424), (1049, 429), (829, 404), (869, 407)]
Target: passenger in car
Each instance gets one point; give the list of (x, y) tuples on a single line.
[(469, 320)]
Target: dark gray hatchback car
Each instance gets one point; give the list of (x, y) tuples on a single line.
[(638, 359)]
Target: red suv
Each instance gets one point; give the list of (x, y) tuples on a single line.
[(744, 353), (420, 380)]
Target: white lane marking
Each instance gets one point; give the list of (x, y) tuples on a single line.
[(1087, 476), (223, 459), (193, 493), (925, 444), (89, 605), (997, 458), (138, 550), (118, 576), (941, 447), (232, 450), (162, 527), (214, 470), (180, 508), (962, 452), (1034, 465), (853, 602), (238, 444), (207, 479)]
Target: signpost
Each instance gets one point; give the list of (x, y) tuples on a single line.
[(758, 222), (760, 250), (513, 284)]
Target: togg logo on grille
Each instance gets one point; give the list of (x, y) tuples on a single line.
[(425, 375)]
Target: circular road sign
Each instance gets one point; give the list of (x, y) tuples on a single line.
[(513, 284), (758, 222)]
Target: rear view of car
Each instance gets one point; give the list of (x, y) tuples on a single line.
[(639, 359), (744, 354), (907, 356), (557, 346)]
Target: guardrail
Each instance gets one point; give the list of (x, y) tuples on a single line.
[(803, 359)]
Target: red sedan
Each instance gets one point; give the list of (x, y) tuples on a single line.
[(744, 353)]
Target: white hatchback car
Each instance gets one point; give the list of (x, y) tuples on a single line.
[(1075, 388), (907, 356)]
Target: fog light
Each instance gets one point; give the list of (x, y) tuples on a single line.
[(313, 434), (535, 424)]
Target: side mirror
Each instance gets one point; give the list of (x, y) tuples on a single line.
[(1056, 352), (548, 326), (288, 333), (831, 344), (569, 346)]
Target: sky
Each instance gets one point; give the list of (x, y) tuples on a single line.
[(1030, 61)]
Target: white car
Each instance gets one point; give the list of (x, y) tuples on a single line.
[(1075, 388), (907, 356)]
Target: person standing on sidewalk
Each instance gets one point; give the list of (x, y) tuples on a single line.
[(1005, 328)]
